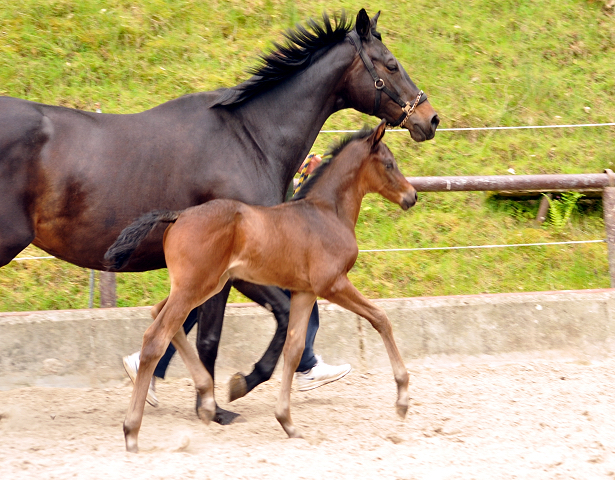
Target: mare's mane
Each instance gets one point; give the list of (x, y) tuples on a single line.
[(332, 153), (300, 48)]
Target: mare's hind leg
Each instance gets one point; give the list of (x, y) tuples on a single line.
[(274, 300), (347, 296), (301, 304)]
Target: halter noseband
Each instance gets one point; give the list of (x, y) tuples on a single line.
[(407, 107)]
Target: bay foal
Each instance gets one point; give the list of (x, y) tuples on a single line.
[(307, 246)]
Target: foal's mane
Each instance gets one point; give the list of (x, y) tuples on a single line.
[(332, 153), (296, 53)]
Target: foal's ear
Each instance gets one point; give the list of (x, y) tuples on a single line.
[(363, 24), (377, 134), (374, 21)]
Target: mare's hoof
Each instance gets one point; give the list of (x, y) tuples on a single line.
[(237, 387), (226, 417)]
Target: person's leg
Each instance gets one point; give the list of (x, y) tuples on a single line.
[(308, 359)]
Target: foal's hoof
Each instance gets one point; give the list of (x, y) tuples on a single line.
[(206, 414), (237, 387), (131, 439), (402, 410), (131, 447)]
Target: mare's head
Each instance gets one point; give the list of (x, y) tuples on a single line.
[(373, 81), (379, 85)]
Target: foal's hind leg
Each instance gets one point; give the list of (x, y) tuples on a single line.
[(347, 296), (301, 304), (210, 318), (274, 299), (155, 341), (203, 382)]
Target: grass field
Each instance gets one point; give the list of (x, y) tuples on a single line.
[(482, 63)]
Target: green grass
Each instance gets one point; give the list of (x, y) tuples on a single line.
[(482, 63)]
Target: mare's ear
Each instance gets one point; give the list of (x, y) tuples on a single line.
[(374, 21), (377, 134), (363, 24)]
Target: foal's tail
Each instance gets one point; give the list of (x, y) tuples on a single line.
[(129, 239)]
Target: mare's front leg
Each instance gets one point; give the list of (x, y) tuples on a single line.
[(346, 295), (155, 341), (301, 304), (210, 319), (276, 301)]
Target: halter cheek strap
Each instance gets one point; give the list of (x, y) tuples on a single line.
[(407, 107)]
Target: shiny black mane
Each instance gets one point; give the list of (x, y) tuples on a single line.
[(301, 47)]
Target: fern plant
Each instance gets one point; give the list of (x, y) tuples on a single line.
[(561, 209)]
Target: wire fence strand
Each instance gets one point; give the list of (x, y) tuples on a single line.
[(419, 249), (468, 247), (470, 129)]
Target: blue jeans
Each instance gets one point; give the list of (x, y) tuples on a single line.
[(308, 359)]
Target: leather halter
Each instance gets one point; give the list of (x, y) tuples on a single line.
[(407, 107)]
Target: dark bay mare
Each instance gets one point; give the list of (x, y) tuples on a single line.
[(71, 180), (209, 244)]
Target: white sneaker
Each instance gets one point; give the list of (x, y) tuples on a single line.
[(131, 365), (320, 374)]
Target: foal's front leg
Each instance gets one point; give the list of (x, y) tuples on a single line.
[(347, 296), (301, 304)]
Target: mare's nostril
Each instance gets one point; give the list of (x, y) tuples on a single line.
[(435, 121)]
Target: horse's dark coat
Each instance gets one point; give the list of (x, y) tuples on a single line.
[(71, 180)]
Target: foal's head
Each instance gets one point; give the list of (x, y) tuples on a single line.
[(379, 172), (364, 162)]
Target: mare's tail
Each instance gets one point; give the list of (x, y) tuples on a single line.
[(129, 239)]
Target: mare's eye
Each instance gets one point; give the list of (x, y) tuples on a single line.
[(392, 67)]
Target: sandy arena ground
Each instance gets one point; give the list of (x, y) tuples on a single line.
[(541, 419)]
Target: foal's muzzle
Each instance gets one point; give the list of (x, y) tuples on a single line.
[(408, 199)]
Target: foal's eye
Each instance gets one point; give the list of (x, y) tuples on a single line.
[(389, 166)]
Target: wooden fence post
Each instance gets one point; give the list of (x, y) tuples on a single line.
[(608, 205), (108, 297)]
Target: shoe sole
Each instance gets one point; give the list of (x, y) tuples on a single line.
[(320, 383), (153, 401)]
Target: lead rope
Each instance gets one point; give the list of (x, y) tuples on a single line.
[(303, 173)]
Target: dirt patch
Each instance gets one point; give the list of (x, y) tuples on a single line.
[(527, 420)]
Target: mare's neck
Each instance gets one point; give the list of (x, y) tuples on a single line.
[(285, 121)]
